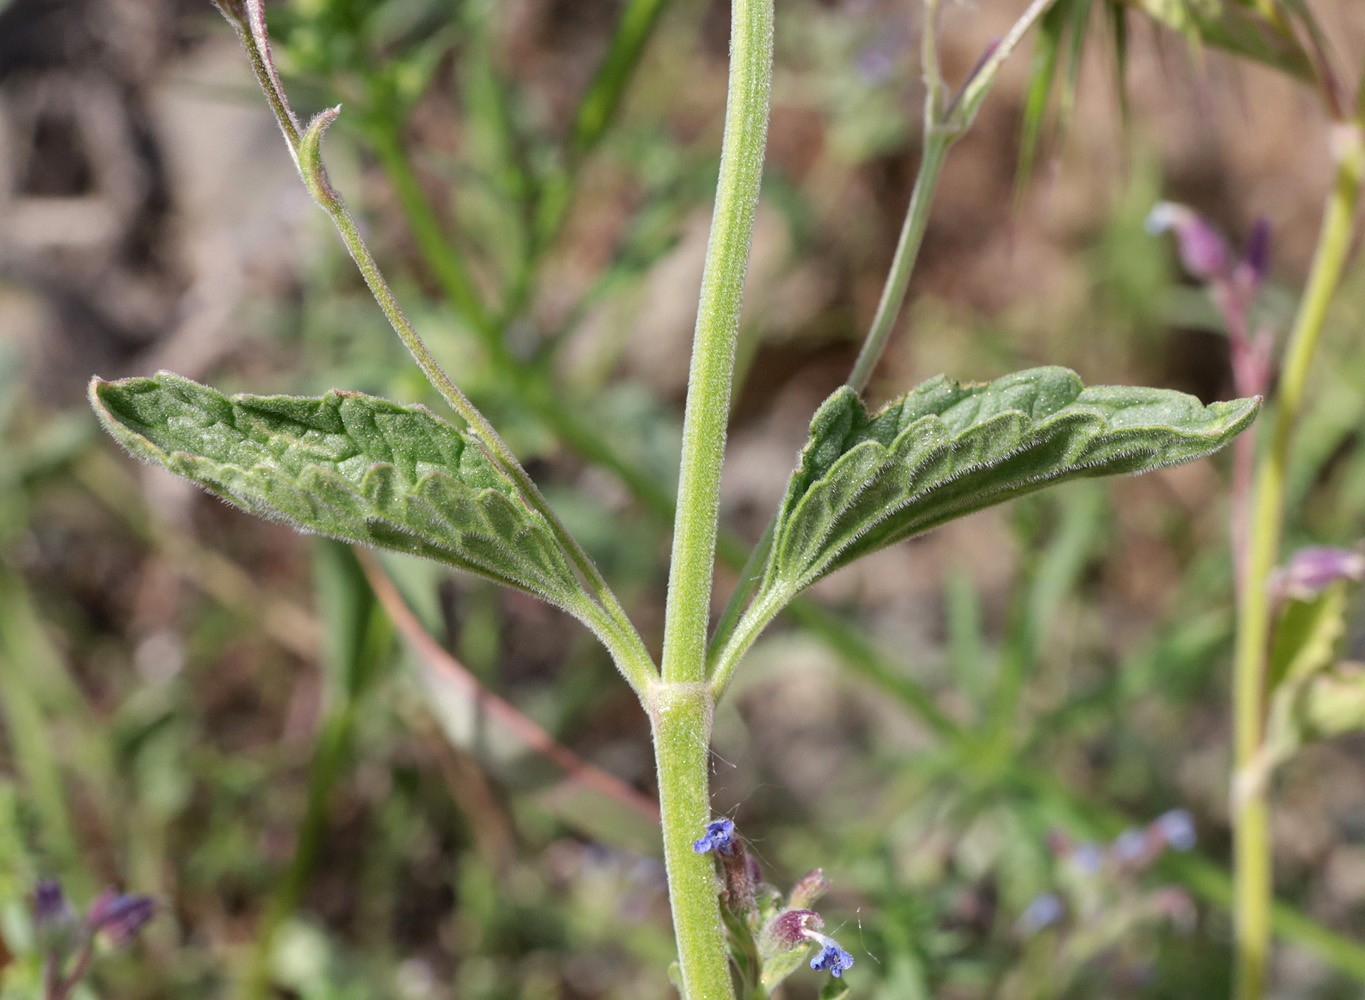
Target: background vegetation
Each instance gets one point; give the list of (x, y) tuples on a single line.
[(248, 726)]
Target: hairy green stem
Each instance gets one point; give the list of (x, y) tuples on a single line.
[(713, 350), (936, 143), (680, 723), (1250, 799), (943, 125), (680, 708)]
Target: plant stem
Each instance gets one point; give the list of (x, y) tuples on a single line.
[(942, 127), (605, 616), (936, 140), (680, 722), (713, 346), (680, 708), (602, 612), (1250, 802), (936, 143)]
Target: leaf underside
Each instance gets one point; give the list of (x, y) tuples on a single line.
[(347, 465), (946, 449)]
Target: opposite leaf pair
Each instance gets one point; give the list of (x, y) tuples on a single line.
[(396, 476)]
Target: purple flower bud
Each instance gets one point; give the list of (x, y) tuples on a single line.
[(1088, 858), (790, 928), (1312, 570), (1042, 911), (1176, 829), (54, 921), (720, 836), (1255, 263), (49, 903), (831, 956), (808, 889), (119, 917), (1202, 251)]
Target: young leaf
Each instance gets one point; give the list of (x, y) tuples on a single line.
[(347, 465), (947, 449)]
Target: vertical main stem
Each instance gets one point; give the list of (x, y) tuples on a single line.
[(1251, 811), (680, 722), (713, 346), (680, 707)]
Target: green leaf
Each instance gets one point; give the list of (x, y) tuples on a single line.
[(1308, 636), (347, 465), (1238, 29), (836, 989), (1312, 696), (1332, 703), (947, 449)]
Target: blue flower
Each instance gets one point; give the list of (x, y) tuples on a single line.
[(1176, 828), (1130, 847), (1042, 911), (1088, 858), (720, 837), (831, 956)]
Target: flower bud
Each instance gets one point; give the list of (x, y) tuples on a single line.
[(808, 889), (1202, 251), (1312, 570), (118, 917), (54, 921)]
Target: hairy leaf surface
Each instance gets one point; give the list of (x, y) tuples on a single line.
[(946, 449), (348, 465)]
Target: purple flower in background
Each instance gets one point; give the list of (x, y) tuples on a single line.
[(50, 906), (1176, 829), (1043, 911), (119, 917), (720, 836), (831, 956), (54, 921), (1202, 250), (1088, 857), (68, 945), (1255, 263), (1312, 570), (1130, 846)]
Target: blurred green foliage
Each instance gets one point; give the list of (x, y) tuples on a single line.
[(215, 713)]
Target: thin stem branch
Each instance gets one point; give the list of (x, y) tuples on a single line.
[(1251, 811), (936, 143), (616, 631), (943, 125)]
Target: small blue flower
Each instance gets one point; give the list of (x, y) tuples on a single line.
[(1088, 857), (831, 956), (1130, 847), (720, 836), (1042, 911), (1176, 829)]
